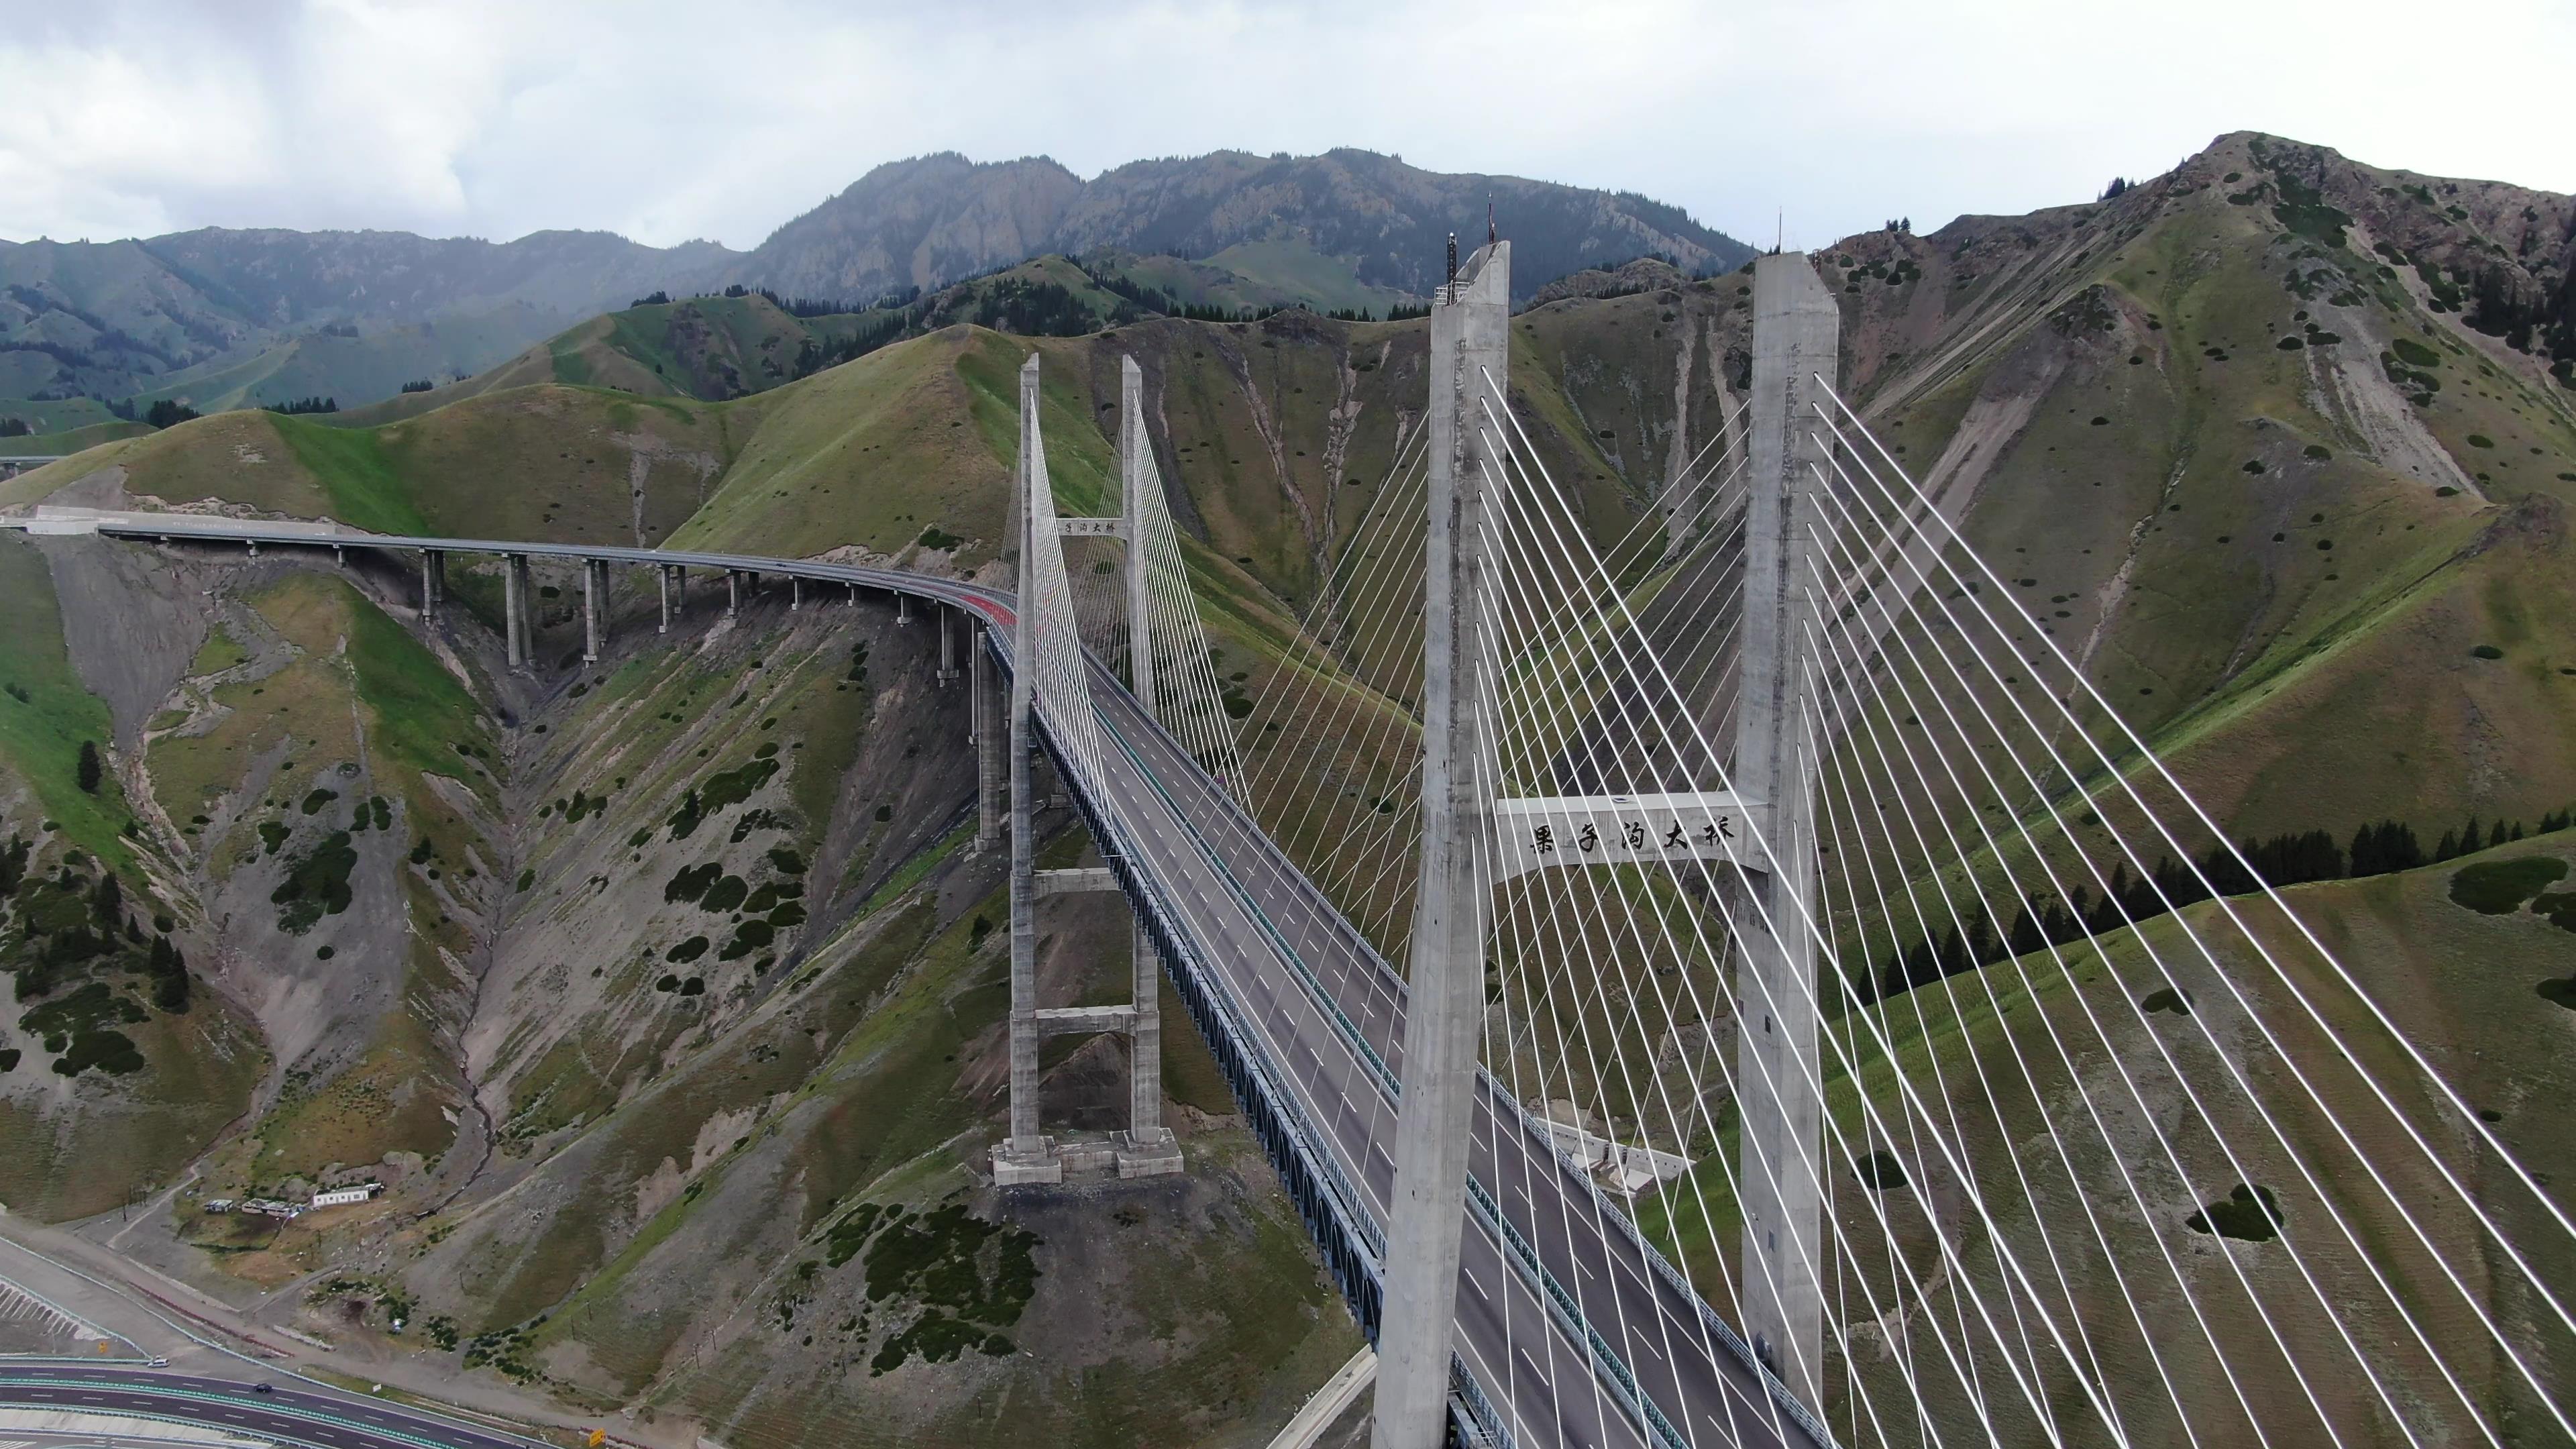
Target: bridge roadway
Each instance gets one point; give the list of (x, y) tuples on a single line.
[(293, 1414), (1322, 1003)]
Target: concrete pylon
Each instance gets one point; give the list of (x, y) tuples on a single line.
[(1150, 1148), (670, 575), (948, 622), (733, 592), (1470, 339), (1135, 455), (514, 604), (1796, 336), (1024, 1156)]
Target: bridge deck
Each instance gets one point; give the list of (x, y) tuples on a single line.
[(1319, 1004)]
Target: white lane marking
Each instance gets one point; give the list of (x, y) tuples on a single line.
[(1479, 1287)]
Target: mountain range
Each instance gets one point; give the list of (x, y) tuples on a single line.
[(653, 988), (216, 318)]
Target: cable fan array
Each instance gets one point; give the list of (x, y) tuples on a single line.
[(1060, 678), (2108, 1156), (1189, 699)]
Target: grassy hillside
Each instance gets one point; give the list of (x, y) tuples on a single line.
[(2328, 582)]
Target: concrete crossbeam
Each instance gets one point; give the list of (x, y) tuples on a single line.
[(1080, 878), (1084, 1020)]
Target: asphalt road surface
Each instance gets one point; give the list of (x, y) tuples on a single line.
[(292, 1413)]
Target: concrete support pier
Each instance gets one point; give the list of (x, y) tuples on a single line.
[(1148, 1149), (594, 587), (903, 608), (1796, 336), (514, 604), (795, 593), (670, 576), (1024, 1156), (1470, 339), (984, 707), (948, 622), (433, 584), (733, 592)]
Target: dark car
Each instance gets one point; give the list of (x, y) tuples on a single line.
[(261, 1389)]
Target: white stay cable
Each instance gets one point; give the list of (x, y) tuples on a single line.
[(1629, 667), (1826, 944), (2290, 1155), (2263, 1026), (2468, 1116)]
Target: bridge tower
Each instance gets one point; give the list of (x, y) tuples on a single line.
[(1796, 337), (1147, 1148), (1796, 331), (1445, 992)]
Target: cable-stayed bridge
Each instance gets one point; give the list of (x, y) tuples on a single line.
[(1730, 981)]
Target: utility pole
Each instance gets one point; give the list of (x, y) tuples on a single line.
[(1445, 996), (1796, 336)]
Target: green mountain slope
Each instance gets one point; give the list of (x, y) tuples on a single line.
[(2325, 591)]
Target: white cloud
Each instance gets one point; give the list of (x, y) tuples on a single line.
[(667, 121)]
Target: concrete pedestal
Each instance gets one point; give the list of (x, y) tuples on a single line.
[(1023, 1164)]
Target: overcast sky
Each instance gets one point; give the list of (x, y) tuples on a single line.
[(667, 121)]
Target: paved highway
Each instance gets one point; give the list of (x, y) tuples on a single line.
[(294, 1414), (1574, 1331)]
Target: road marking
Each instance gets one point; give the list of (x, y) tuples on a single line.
[(1479, 1287)]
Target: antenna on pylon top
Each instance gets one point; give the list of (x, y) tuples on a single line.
[(1453, 261), (1491, 234)]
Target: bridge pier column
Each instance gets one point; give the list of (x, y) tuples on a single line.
[(903, 608), (594, 583), (514, 606), (1149, 1148), (1796, 335), (795, 593), (947, 645), (733, 592), (1470, 338), (670, 577), (988, 746), (1025, 1156), (432, 569)]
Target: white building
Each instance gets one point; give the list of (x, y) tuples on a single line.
[(338, 1196)]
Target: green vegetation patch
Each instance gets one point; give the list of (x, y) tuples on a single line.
[(316, 885), (732, 787), (2169, 999), (2249, 1214), (1880, 1172), (423, 716), (45, 714), (360, 480), (81, 1030), (2499, 887), (2414, 353), (2559, 907), (692, 882), (964, 1278)]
